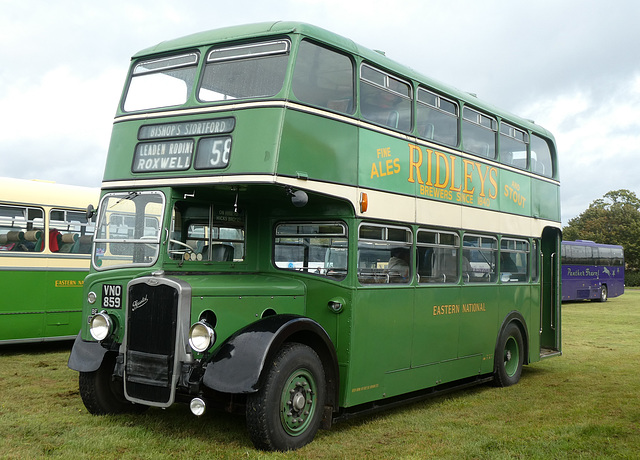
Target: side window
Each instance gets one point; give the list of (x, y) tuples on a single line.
[(70, 231), (324, 78), (479, 262), (618, 257), (478, 133), (514, 260), (437, 256), (317, 248), (436, 118), (21, 229), (384, 254), (513, 146), (541, 162), (535, 257), (384, 99), (602, 256), (202, 232)]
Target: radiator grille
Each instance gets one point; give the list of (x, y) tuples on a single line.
[(151, 336)]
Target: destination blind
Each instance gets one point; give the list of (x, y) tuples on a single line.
[(163, 156), (187, 128)]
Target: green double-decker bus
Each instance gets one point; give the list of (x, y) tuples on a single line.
[(297, 227)]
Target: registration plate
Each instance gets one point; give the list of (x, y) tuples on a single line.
[(111, 296)]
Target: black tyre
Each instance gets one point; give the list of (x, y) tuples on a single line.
[(604, 294), (286, 412), (101, 394), (509, 357)]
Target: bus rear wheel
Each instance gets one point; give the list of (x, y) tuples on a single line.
[(509, 357), (286, 412), (101, 394), (604, 294)]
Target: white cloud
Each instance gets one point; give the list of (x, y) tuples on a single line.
[(598, 142), (62, 104)]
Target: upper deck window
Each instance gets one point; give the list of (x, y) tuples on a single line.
[(324, 78), (161, 82), (541, 162), (513, 146), (384, 99), (479, 133), (244, 71), (437, 118)]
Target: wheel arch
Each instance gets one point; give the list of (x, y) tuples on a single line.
[(516, 318), (239, 365)]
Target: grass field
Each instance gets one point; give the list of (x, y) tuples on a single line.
[(584, 404)]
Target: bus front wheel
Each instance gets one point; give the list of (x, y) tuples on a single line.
[(509, 357), (286, 412), (101, 394)]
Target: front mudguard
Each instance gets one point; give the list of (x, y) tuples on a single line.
[(239, 364), (86, 356)]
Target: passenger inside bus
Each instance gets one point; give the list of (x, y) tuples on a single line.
[(399, 262)]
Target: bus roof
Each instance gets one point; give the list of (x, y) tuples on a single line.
[(265, 29), (43, 193), (589, 243)]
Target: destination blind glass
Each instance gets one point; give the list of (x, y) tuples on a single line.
[(213, 152), (163, 156), (187, 128)]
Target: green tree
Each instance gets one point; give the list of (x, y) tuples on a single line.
[(612, 219)]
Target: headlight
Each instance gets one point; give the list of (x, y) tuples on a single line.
[(201, 336), (100, 326)]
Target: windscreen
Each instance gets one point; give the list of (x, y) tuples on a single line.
[(128, 229)]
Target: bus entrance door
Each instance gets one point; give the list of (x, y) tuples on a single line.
[(550, 340)]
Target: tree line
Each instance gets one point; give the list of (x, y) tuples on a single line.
[(612, 219)]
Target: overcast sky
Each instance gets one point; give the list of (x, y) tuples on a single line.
[(572, 66)]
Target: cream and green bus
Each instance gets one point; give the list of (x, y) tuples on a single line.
[(45, 245)]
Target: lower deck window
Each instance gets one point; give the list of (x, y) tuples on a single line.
[(384, 255), (514, 260), (317, 248), (70, 232), (21, 229), (438, 256), (207, 233), (479, 256)]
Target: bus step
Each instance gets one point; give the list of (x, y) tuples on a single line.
[(549, 352)]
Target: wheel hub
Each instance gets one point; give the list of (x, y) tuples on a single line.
[(298, 403)]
